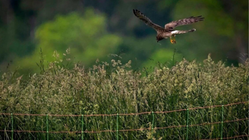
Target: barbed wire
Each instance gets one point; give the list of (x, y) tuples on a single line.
[(192, 125), (124, 114), (130, 114), (227, 138), (125, 130)]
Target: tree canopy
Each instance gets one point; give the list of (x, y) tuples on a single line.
[(94, 30), (85, 35)]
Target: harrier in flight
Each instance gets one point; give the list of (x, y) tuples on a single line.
[(168, 30)]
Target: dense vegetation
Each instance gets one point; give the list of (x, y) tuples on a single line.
[(111, 27), (109, 88)]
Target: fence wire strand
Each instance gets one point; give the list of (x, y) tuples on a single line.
[(227, 138), (130, 114), (124, 114)]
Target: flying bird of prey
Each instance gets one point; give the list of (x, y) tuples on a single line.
[(168, 30)]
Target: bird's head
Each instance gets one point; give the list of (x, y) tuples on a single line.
[(159, 38)]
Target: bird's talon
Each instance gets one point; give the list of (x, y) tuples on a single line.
[(172, 40)]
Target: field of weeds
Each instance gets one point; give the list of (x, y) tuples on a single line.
[(113, 87)]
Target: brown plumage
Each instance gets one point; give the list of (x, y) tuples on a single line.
[(168, 30)]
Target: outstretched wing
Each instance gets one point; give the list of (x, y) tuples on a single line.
[(185, 21), (147, 20)]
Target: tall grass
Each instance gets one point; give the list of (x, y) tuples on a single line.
[(109, 88)]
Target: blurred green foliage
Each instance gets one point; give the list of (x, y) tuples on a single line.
[(29, 25), (113, 87), (220, 34), (163, 56), (85, 36)]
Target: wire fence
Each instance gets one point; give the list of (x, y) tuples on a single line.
[(84, 130)]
